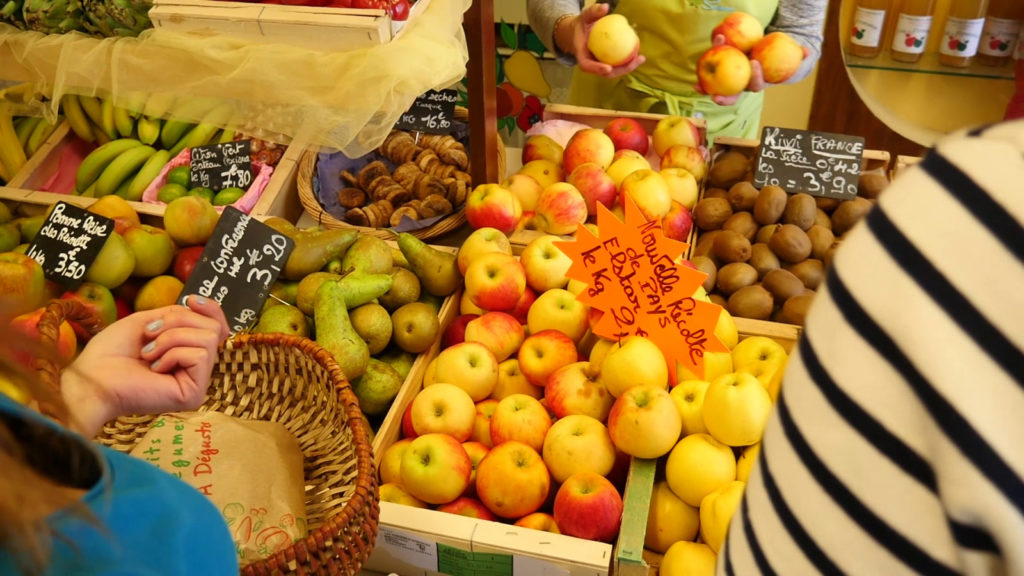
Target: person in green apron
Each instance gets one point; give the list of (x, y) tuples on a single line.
[(673, 35)]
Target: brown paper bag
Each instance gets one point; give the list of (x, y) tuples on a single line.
[(250, 469)]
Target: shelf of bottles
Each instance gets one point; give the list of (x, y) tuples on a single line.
[(979, 37)]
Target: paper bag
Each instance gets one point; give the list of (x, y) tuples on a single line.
[(251, 470)]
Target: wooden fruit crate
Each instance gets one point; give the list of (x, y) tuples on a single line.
[(903, 163)]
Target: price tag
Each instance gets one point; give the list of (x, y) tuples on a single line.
[(818, 163), (432, 112), (220, 166), (636, 278), (239, 264), (69, 242)]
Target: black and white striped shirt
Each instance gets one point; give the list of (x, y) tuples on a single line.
[(897, 444)]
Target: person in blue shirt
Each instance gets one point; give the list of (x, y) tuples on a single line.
[(71, 506)]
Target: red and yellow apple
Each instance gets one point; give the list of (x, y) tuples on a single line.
[(578, 443), (572, 389), (780, 56), (613, 41), (22, 282), (469, 507), (587, 505), (539, 521), (500, 332), (723, 71), (526, 188), (493, 206), (521, 418), (740, 29), (476, 452), (674, 130), (644, 422), (541, 147), (649, 190), (481, 241), (512, 381), (561, 208), (544, 263), (544, 352), (588, 145), (443, 408), (689, 158), (495, 281), (677, 223), (482, 422), (594, 184), (512, 480), (435, 468)]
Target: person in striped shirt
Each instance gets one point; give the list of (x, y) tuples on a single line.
[(896, 444)]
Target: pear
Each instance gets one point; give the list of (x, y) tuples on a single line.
[(281, 225), (10, 236), (434, 302), (314, 249), (437, 270), (398, 359), (357, 288), (405, 288), (285, 290), (415, 326), (368, 255), (283, 319), (373, 323), (6, 215), (334, 331), (398, 258), (377, 387)]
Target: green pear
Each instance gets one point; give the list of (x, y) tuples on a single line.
[(5, 213), (437, 270), (286, 291), (373, 323), (358, 288), (415, 326), (314, 249), (398, 258), (334, 331), (29, 226), (398, 359), (434, 302), (405, 288), (377, 387), (368, 255), (281, 225), (333, 266), (10, 236), (282, 319)]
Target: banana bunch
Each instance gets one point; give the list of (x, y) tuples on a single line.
[(123, 166), (20, 136)]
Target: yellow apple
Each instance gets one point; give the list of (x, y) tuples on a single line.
[(539, 521), (470, 366), (435, 468), (649, 190), (697, 465), (669, 519), (481, 241), (688, 559), (390, 469), (526, 188), (521, 418), (561, 208), (445, 408), (544, 263), (682, 186), (500, 332), (495, 281), (394, 493), (780, 56), (544, 171), (625, 165), (578, 443), (644, 421), (482, 421), (558, 309), (689, 398), (715, 364), (512, 480), (476, 452), (716, 510), (760, 356), (612, 40), (541, 147), (723, 71), (674, 130), (689, 158), (511, 380), (633, 361), (736, 409), (725, 329), (740, 29)]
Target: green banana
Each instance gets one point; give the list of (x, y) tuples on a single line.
[(94, 163), (12, 155), (158, 104), (108, 123), (124, 122), (93, 108), (204, 132), (122, 168), (89, 192), (39, 135), (145, 176), (77, 119), (148, 128), (24, 126), (173, 131), (226, 135)]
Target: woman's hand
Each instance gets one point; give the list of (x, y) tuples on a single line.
[(146, 363), (584, 58)]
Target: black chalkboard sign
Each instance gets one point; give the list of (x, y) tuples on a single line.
[(238, 266), (818, 163), (220, 166), (432, 112), (68, 243)]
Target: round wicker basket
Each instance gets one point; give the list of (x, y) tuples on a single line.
[(307, 196), (292, 381)]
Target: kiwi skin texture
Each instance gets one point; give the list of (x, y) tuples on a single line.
[(742, 222), (790, 243), (800, 210), (783, 284), (794, 309), (707, 266), (848, 213), (751, 302), (729, 167), (770, 204), (731, 246), (763, 259), (742, 196), (711, 213), (734, 276)]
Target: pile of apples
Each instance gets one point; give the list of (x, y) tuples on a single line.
[(739, 39), (526, 417), (563, 178)]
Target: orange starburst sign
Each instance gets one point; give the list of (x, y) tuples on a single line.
[(636, 277)]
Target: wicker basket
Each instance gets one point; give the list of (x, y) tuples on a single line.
[(307, 196), (295, 382)]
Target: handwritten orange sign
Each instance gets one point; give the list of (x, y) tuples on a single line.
[(637, 279)]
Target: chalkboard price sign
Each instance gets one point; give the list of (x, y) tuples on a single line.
[(240, 263), (432, 112), (68, 243), (220, 166), (818, 163)]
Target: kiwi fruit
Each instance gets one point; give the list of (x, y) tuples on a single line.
[(770, 204), (782, 283), (718, 300), (829, 254), (800, 210), (822, 219), (811, 272), (822, 239), (848, 213), (711, 213), (751, 302), (826, 204), (704, 243), (765, 232), (729, 167), (742, 222), (762, 259), (707, 266), (731, 246), (790, 243), (734, 276), (794, 309), (871, 183), (742, 196), (716, 193)]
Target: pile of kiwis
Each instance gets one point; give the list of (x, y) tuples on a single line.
[(765, 251)]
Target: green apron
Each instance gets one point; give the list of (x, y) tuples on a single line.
[(674, 35)]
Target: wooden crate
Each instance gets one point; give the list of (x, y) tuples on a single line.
[(903, 163)]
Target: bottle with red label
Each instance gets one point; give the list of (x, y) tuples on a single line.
[(999, 36), (910, 34), (962, 34), (868, 27)]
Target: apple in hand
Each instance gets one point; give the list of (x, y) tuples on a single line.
[(469, 507), (578, 443), (512, 381), (723, 71), (521, 418), (443, 408), (495, 281), (153, 248), (558, 309), (545, 264), (500, 332), (587, 505), (479, 242), (677, 223), (544, 352), (561, 208), (613, 41), (780, 56), (649, 190), (24, 332), (435, 468), (469, 365), (628, 133), (588, 145), (492, 206), (674, 130), (22, 283), (572, 389), (594, 183), (512, 480), (644, 421), (740, 30), (541, 147)]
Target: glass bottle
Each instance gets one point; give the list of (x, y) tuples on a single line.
[(999, 36), (868, 27), (910, 35), (962, 33)]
